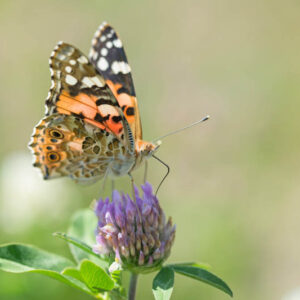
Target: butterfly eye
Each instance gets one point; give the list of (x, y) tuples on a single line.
[(56, 134), (53, 157)]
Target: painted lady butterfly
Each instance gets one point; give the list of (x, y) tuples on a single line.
[(92, 126)]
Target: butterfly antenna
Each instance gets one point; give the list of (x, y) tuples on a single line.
[(181, 129), (168, 171)]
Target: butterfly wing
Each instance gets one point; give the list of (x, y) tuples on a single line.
[(81, 110), (77, 89), (108, 57), (65, 145)]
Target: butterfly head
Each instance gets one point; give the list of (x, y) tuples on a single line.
[(147, 149)]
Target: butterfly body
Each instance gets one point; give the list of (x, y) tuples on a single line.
[(91, 127)]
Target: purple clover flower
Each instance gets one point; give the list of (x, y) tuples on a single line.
[(135, 235)]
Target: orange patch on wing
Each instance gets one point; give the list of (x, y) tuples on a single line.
[(116, 128), (85, 105), (123, 99), (113, 87), (84, 99), (63, 111), (105, 110), (80, 104), (77, 105)]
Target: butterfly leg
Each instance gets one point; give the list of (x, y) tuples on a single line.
[(134, 196), (132, 186)]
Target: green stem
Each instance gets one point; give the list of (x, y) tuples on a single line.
[(132, 286)]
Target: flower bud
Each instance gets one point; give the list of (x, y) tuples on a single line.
[(135, 234)]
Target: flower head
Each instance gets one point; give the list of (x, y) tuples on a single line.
[(135, 234)]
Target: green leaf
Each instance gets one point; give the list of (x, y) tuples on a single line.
[(79, 244), (193, 264), (71, 281), (82, 228), (163, 283), (95, 277), (75, 273), (117, 277), (18, 258), (202, 275)]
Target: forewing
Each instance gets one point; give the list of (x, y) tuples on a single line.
[(108, 57), (78, 90)]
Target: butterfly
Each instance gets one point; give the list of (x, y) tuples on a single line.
[(92, 127)]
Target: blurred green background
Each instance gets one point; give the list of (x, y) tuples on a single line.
[(234, 187)]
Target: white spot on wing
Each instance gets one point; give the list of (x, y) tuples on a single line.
[(97, 33), (72, 62), (95, 55), (106, 109), (109, 44), (117, 43), (87, 81), (69, 51), (90, 81), (71, 80), (83, 60), (98, 81), (68, 69), (102, 64), (120, 67), (92, 52), (103, 38), (104, 51), (94, 42), (102, 25), (60, 56)]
